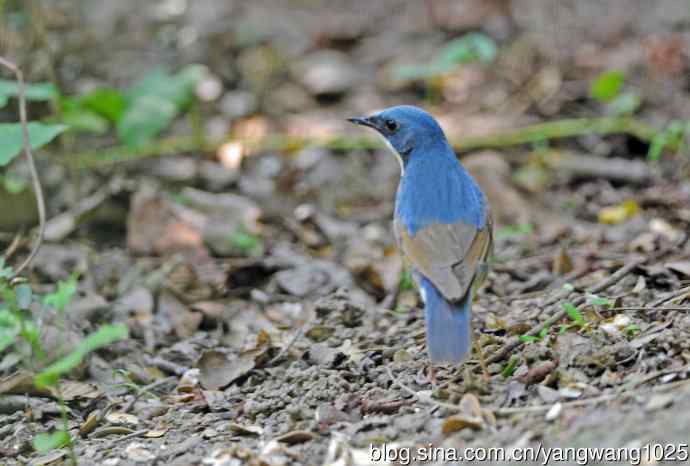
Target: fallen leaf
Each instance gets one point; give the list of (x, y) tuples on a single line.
[(245, 430), (218, 371), (156, 433), (296, 436), (459, 422), (553, 412), (122, 419), (613, 215), (681, 267)]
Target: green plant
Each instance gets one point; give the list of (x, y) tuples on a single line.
[(543, 333), (607, 89), (578, 320), (515, 231), (673, 136), (405, 282), (139, 113), (512, 365), (246, 242), (469, 48), (19, 329)]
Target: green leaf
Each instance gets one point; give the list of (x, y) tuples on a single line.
[(9, 329), (528, 338), (607, 86), (177, 89), (155, 101), (405, 280), (63, 295), (515, 231), (510, 367), (35, 92), (145, 119), (245, 241), (106, 102), (104, 336), (469, 48), (45, 442), (598, 300), (574, 314), (543, 333), (466, 49), (13, 141), (80, 118)]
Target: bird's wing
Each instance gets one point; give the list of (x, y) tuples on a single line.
[(453, 256)]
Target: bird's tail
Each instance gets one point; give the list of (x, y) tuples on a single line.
[(448, 325)]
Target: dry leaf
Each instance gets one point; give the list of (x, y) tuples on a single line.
[(458, 422), (613, 215), (218, 371)]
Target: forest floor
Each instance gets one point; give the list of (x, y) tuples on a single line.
[(271, 319)]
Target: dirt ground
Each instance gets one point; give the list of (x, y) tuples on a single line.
[(298, 342)]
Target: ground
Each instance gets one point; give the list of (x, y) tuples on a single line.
[(270, 317)]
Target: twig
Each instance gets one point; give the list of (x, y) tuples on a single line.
[(649, 308), (38, 189), (671, 296), (620, 392), (281, 353), (141, 390)]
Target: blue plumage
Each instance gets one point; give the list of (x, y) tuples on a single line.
[(442, 223), (448, 325)]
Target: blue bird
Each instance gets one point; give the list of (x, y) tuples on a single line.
[(442, 224)]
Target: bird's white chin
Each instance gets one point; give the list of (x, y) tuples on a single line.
[(397, 155)]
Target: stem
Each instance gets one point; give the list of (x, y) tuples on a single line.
[(65, 423), (38, 189)]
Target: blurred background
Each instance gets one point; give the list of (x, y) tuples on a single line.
[(201, 177)]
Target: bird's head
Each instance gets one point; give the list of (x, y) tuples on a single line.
[(408, 130)]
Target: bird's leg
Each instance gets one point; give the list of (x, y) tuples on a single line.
[(432, 375), (482, 361)]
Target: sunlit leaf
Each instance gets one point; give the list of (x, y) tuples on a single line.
[(619, 213), (13, 141), (607, 86)]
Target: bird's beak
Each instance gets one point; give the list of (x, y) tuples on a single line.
[(363, 121)]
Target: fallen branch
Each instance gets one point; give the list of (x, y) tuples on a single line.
[(38, 189), (526, 135)]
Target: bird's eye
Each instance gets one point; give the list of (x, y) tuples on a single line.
[(391, 125)]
